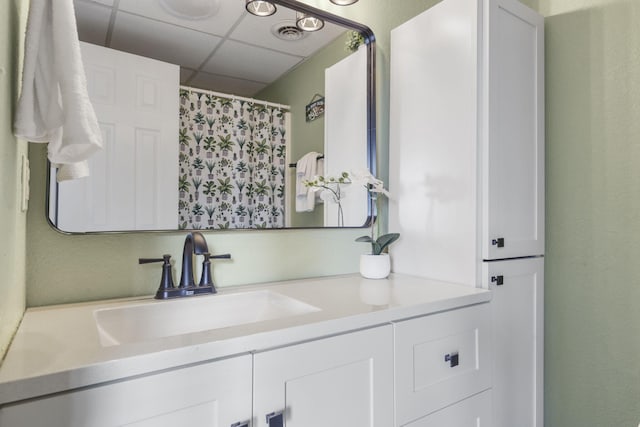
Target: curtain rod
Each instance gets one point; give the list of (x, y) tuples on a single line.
[(234, 97)]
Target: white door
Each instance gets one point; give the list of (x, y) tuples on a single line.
[(345, 130), (472, 412), (343, 381), (136, 100), (214, 394), (513, 140), (518, 328)]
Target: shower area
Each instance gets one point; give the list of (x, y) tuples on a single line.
[(232, 159)]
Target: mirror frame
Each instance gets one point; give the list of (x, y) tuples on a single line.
[(370, 44)]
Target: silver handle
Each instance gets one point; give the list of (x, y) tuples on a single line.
[(275, 419), (241, 424)]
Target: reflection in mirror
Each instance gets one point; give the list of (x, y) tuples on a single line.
[(204, 124)]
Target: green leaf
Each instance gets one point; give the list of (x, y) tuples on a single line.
[(386, 239), (376, 249), (366, 239)]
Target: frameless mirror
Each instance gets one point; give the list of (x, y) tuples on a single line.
[(212, 117)]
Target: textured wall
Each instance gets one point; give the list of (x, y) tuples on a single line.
[(593, 213), (12, 220)]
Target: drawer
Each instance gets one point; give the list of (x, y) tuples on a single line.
[(441, 359), (472, 412)]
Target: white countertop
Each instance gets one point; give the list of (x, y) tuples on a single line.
[(58, 348)]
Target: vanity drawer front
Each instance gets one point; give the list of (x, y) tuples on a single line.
[(441, 359), (472, 412)]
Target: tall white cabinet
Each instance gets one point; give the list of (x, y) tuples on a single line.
[(467, 174)]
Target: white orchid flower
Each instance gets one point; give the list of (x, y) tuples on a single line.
[(373, 184)]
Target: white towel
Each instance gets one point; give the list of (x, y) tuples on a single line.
[(306, 170), (54, 105)]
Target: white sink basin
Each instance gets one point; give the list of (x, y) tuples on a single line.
[(159, 319)]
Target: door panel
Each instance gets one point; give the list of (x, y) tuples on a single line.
[(214, 394), (341, 381), (134, 179), (517, 312), (513, 176)]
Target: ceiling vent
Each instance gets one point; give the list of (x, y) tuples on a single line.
[(288, 31)]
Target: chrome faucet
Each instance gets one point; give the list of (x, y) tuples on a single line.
[(194, 243)]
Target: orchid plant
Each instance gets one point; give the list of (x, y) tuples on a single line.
[(331, 188), (375, 187)]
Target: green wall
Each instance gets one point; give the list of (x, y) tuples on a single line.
[(296, 89), (12, 220), (592, 322), (592, 342)]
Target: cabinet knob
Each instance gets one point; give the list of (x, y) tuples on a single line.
[(453, 359), (499, 242), (498, 280), (275, 419)]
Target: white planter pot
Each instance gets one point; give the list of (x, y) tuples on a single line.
[(375, 266)]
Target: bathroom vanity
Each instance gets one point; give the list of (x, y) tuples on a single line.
[(338, 351)]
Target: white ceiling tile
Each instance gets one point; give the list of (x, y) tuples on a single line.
[(224, 84), (93, 22), (252, 25), (186, 74), (249, 62), (105, 2), (161, 41), (219, 24)]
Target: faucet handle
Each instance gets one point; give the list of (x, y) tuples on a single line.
[(166, 282), (164, 258), (206, 279)]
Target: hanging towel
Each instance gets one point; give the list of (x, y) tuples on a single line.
[(54, 105), (306, 170)]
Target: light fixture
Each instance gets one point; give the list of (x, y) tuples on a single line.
[(191, 9), (343, 2), (260, 7), (308, 22)]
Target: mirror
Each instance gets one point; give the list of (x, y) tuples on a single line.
[(224, 113)]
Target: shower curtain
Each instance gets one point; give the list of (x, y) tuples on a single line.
[(231, 163)]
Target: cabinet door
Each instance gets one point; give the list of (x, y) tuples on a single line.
[(513, 138), (472, 412), (517, 311), (343, 381), (214, 394)]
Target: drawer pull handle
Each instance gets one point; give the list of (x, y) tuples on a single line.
[(453, 359), (240, 424), (498, 280), (499, 242), (275, 419)]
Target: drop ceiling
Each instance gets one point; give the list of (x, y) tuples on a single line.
[(231, 51)]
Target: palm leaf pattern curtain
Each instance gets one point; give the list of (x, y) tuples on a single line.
[(231, 162)]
